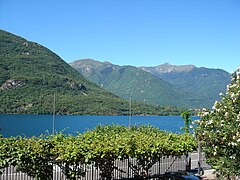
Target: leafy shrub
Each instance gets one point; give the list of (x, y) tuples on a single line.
[(219, 130), (101, 146)]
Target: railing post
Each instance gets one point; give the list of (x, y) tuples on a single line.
[(190, 163), (159, 165), (92, 171), (187, 162), (128, 167), (199, 158)]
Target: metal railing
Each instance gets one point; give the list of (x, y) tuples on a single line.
[(124, 170)]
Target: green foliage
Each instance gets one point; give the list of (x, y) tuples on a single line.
[(34, 157), (187, 121), (202, 85), (105, 145), (30, 74), (101, 146), (194, 88), (8, 155), (29, 155), (218, 131), (126, 81), (69, 155)]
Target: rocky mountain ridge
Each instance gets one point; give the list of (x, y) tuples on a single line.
[(168, 68), (167, 84)]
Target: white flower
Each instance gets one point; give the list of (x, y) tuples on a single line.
[(232, 157), (209, 123), (196, 122), (238, 117), (205, 113), (226, 114), (228, 87), (232, 144), (204, 109)]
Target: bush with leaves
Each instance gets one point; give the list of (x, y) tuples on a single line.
[(101, 146), (219, 131), (35, 157), (29, 155), (8, 152), (104, 145), (69, 155)]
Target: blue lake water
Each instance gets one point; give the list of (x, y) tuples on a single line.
[(30, 125)]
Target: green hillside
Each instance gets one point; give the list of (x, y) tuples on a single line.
[(31, 74), (182, 86), (205, 82), (126, 81)]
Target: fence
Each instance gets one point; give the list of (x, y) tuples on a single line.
[(124, 170)]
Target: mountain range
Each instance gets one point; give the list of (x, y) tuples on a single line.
[(30, 75), (35, 80), (184, 86), (202, 81)]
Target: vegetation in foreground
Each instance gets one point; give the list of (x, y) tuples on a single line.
[(101, 146), (219, 131)]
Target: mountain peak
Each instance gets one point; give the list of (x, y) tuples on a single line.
[(167, 68), (167, 84), (89, 62)]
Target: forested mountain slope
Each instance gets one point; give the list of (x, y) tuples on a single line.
[(203, 81), (31, 74), (144, 85)]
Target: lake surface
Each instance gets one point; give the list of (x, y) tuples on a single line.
[(30, 125)]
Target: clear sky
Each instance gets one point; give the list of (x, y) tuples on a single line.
[(131, 32)]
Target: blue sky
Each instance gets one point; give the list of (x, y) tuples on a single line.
[(131, 32)]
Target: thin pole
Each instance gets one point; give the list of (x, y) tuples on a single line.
[(130, 112), (54, 109), (199, 157)]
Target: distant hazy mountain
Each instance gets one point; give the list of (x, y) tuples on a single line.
[(168, 68), (31, 74), (203, 81), (145, 84), (126, 81)]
